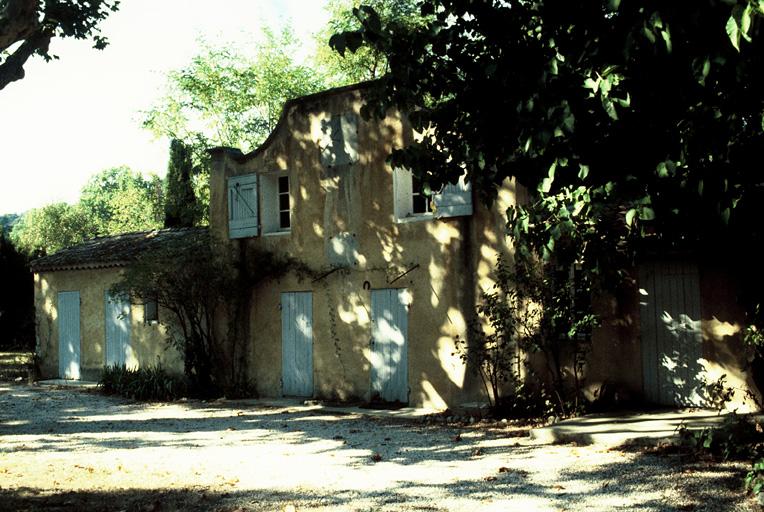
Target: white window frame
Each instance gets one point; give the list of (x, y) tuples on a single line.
[(270, 196), (453, 200)]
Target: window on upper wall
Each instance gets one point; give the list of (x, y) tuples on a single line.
[(276, 203), (151, 311), (421, 200), (411, 201)]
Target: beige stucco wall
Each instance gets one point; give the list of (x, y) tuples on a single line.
[(147, 340), (449, 260)]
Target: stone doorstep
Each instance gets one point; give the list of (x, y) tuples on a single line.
[(626, 428), (68, 383)]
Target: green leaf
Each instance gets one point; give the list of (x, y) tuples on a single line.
[(610, 108), (630, 216), (745, 22), (583, 171), (726, 215), (646, 213), (338, 43), (738, 25), (591, 84), (546, 184), (648, 34), (569, 121), (666, 35)]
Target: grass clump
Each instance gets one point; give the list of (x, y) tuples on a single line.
[(151, 383)]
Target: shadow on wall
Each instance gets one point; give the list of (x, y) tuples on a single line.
[(343, 228)]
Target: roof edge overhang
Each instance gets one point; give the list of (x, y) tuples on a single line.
[(40, 269)]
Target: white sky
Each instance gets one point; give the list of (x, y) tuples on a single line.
[(71, 118)]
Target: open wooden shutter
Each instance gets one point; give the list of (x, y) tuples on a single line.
[(454, 200), (242, 206)]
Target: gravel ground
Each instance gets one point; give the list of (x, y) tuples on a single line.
[(65, 449)]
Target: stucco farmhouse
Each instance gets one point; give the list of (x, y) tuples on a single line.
[(397, 278)]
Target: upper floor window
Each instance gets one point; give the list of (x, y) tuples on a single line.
[(421, 199), (412, 201), (276, 202), (151, 311), (285, 221)]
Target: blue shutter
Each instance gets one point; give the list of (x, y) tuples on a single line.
[(242, 206), (454, 200)]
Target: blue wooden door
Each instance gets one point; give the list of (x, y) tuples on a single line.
[(297, 343), (117, 328), (389, 351), (671, 335), (69, 335)]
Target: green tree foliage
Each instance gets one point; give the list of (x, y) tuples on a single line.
[(7, 221), (180, 207), (654, 106), (120, 200), (228, 98), (367, 63), (193, 282), (113, 201), (190, 282), (16, 297), (51, 228), (27, 27), (624, 119)]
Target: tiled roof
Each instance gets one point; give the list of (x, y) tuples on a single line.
[(112, 251)]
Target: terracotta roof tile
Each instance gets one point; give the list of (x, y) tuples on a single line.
[(112, 251)]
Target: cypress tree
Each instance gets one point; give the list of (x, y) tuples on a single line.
[(181, 208)]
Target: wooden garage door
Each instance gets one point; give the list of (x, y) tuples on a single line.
[(671, 333)]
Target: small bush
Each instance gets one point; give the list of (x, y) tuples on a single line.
[(152, 383), (738, 437)]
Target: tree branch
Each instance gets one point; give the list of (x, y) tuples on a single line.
[(12, 68), (18, 21)]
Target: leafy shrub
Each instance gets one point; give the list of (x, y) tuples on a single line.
[(739, 437), (151, 383), (754, 479), (533, 309)]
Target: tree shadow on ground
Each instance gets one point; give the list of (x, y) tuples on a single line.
[(508, 472)]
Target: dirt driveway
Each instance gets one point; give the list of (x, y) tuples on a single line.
[(64, 449)]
